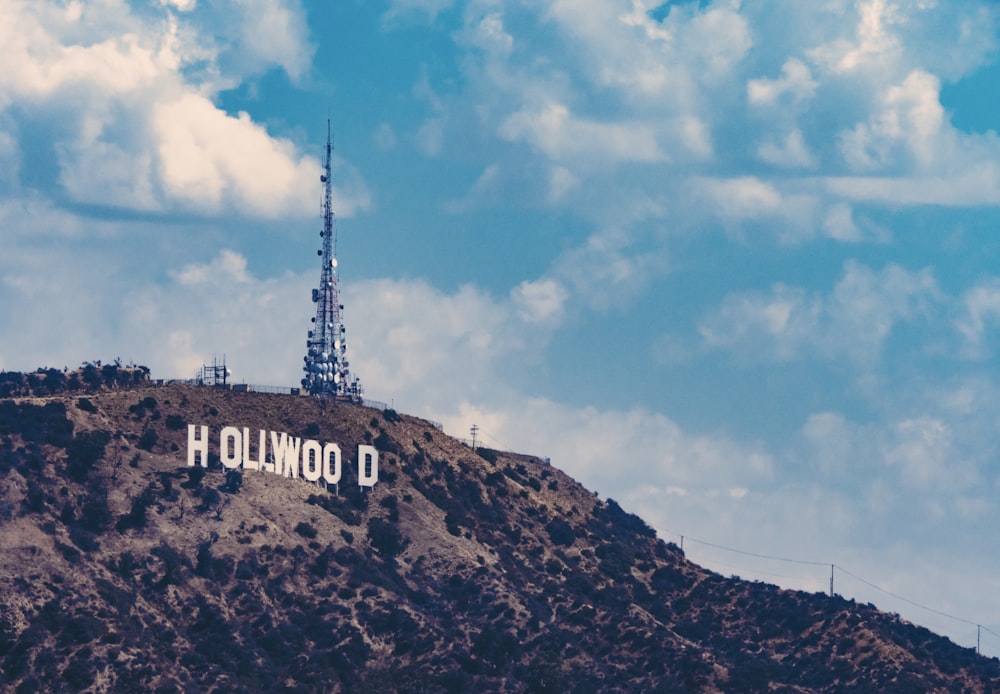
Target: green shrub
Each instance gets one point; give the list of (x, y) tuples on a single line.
[(195, 475), (385, 538), (560, 532), (95, 515), (136, 517), (622, 519), (392, 505), (616, 559), (234, 480), (306, 530), (86, 449), (148, 440)]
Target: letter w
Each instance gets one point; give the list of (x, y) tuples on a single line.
[(286, 454)]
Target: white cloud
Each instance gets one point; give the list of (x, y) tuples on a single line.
[(616, 452), (416, 343), (624, 50), (214, 308), (796, 80), (41, 308), (401, 9), (785, 319), (39, 59), (273, 32), (839, 223), (911, 117), (553, 130), (873, 40), (980, 311), (648, 59), (105, 173), (923, 448), (750, 198), (835, 446), (208, 158), (888, 34), (181, 5), (539, 301), (866, 305), (228, 266), (853, 321), (977, 185), (921, 451), (792, 152), (133, 127), (640, 17), (695, 136), (609, 269), (31, 217), (489, 34), (561, 182), (10, 159), (744, 197), (430, 137), (716, 39)]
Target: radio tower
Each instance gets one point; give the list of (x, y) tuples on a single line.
[(326, 350)]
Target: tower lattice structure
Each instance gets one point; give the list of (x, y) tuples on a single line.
[(326, 365)]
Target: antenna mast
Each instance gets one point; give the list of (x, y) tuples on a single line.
[(326, 364)]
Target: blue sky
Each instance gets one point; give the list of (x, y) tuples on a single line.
[(733, 264)]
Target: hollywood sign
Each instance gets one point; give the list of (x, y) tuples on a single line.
[(280, 454)]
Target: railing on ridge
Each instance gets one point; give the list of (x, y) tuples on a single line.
[(285, 390)]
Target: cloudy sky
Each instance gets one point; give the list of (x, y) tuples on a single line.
[(733, 264)]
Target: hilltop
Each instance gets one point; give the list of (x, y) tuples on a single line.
[(123, 569)]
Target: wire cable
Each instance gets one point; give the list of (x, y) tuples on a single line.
[(743, 552), (907, 600), (833, 566), (759, 556)]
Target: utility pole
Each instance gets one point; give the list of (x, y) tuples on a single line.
[(831, 580), (474, 430)]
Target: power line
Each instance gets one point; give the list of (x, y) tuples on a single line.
[(906, 600), (833, 566), (743, 552), (759, 556)]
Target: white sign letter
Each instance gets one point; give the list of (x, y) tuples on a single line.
[(248, 462), (331, 453), (197, 445), (230, 447), (311, 463), (286, 454), (367, 465)]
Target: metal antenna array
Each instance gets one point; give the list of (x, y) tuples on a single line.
[(326, 364)]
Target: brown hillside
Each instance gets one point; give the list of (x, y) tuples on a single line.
[(121, 569)]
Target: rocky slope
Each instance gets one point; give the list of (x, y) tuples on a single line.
[(123, 569)]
